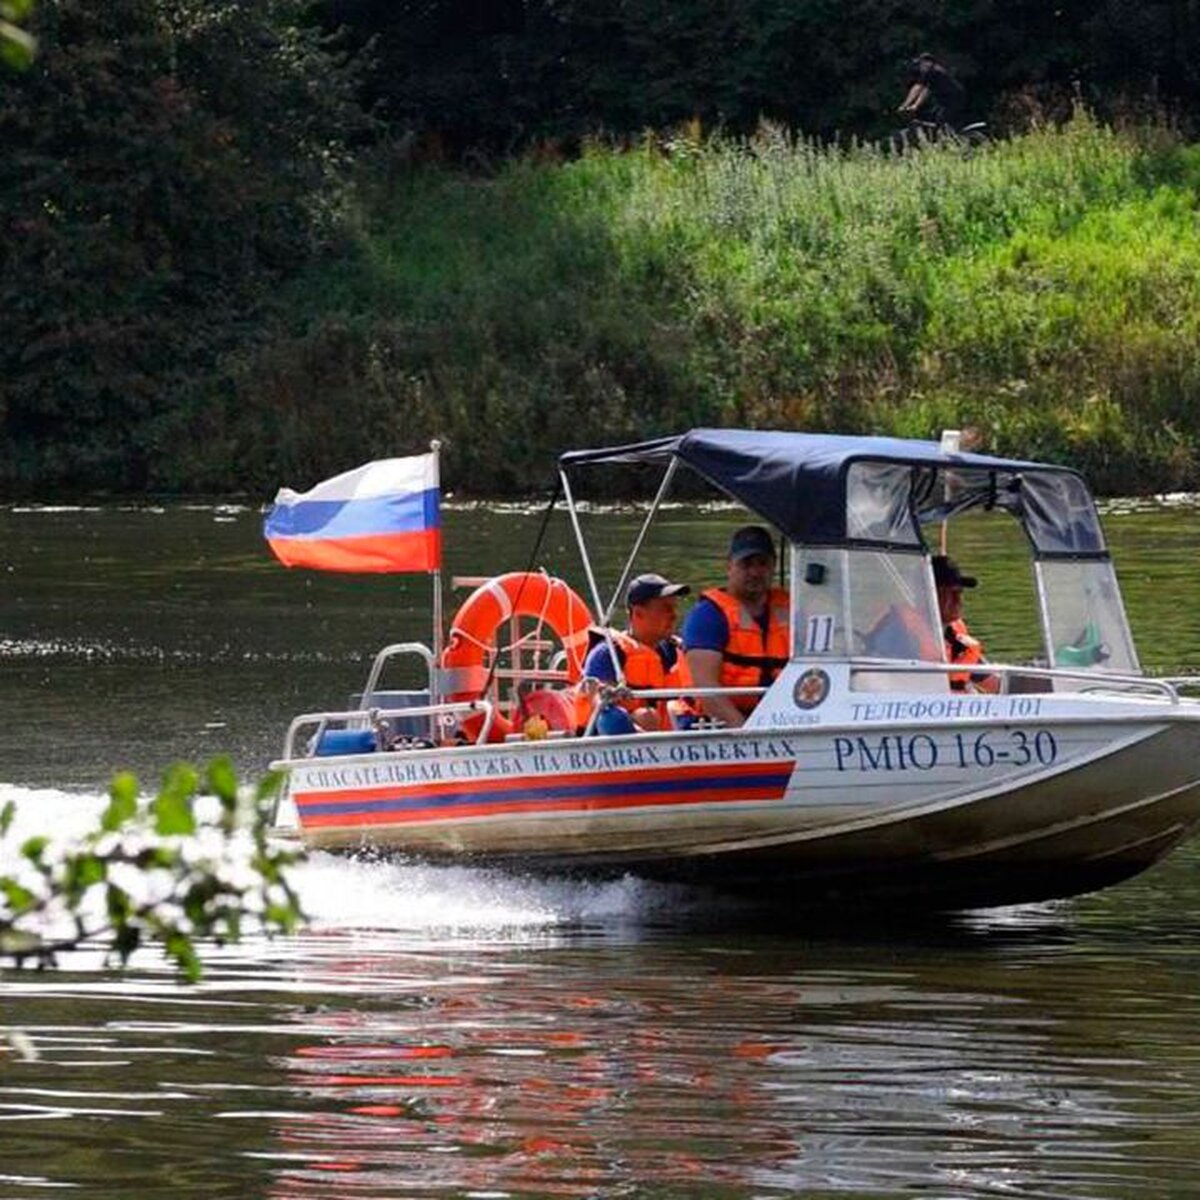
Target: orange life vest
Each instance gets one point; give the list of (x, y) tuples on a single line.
[(752, 658), (643, 667), (962, 648)]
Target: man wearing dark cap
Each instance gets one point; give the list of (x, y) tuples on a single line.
[(933, 92), (737, 636), (961, 647), (648, 653)]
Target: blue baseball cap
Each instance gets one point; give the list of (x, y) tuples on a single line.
[(750, 540), (650, 587)]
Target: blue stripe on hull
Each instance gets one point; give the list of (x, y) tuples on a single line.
[(451, 800)]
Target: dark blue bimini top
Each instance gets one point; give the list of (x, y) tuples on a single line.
[(826, 489)]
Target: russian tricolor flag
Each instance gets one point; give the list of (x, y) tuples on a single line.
[(383, 517)]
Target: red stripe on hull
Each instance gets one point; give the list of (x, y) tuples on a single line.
[(583, 805), (718, 773)]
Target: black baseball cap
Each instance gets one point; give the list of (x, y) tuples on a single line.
[(650, 587), (946, 574), (751, 539)]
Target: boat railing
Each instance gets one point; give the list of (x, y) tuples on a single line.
[(541, 675), (700, 692), (1181, 683), (364, 719), (1144, 685), (395, 651), (692, 693), (1093, 682)]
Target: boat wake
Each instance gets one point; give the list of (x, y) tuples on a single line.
[(349, 893), (343, 894), (367, 892)]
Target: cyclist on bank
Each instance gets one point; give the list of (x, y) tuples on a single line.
[(933, 94)]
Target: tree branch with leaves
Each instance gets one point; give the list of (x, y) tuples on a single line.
[(17, 44), (195, 863)]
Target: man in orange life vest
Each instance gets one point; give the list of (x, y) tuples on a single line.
[(650, 656), (737, 636), (961, 647)]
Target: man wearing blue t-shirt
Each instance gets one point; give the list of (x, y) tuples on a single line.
[(738, 636), (648, 651)]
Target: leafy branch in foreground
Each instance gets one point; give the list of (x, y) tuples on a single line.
[(17, 46), (169, 871)]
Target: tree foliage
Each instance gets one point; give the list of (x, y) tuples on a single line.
[(495, 74), (162, 872), (166, 163), (170, 166)]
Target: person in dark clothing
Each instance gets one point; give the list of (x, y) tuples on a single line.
[(933, 94)]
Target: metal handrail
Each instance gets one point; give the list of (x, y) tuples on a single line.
[(393, 651), (366, 718), (1165, 686), (542, 674), (667, 693), (661, 694), (1180, 681), (1099, 682)]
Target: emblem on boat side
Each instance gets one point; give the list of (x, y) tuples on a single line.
[(811, 688)]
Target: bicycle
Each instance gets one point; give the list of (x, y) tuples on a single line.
[(923, 132)]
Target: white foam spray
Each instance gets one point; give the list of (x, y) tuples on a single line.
[(369, 893)]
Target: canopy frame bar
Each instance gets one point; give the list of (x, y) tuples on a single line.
[(668, 476)]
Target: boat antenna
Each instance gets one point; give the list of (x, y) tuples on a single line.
[(516, 604)]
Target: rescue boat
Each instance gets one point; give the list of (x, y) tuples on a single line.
[(861, 776)]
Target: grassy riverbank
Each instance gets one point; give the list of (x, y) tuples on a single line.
[(1043, 289)]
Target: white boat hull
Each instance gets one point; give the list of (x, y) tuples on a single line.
[(950, 815)]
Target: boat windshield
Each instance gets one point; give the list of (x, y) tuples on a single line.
[(1086, 627), (893, 610), (866, 603)]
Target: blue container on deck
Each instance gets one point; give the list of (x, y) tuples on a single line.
[(614, 721), (346, 741)]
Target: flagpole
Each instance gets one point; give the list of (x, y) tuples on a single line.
[(435, 676)]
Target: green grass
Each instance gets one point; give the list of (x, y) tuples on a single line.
[(1043, 289)]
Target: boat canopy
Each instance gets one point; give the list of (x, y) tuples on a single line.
[(828, 489)]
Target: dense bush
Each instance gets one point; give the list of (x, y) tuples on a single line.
[(194, 864), (1042, 290)]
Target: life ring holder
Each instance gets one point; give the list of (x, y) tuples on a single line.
[(547, 599)]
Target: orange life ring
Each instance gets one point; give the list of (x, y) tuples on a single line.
[(519, 593)]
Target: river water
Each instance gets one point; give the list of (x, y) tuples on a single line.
[(450, 1032)]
